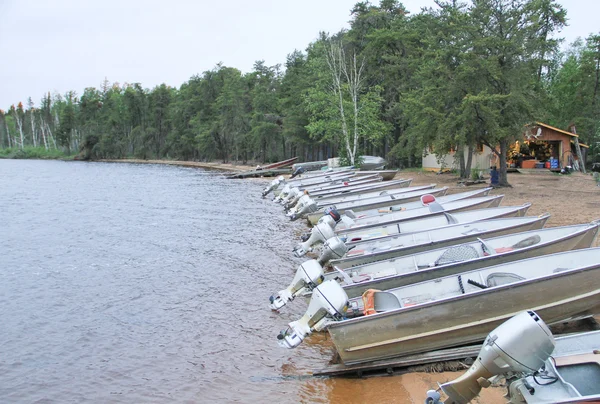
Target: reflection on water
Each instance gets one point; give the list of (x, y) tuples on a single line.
[(150, 283)]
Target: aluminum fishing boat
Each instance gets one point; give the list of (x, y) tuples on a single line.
[(410, 269), (464, 308), (379, 226), (366, 215), (365, 252), (383, 199)]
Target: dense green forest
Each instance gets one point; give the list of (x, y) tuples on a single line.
[(392, 85)]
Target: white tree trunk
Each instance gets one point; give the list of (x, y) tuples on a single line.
[(8, 135), (33, 131), (19, 122), (351, 75), (337, 65)]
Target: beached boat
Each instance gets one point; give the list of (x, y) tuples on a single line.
[(363, 214), (267, 170), (365, 252), (326, 183), (301, 207), (386, 175), (431, 264), (336, 187), (355, 193), (384, 208), (329, 200), (279, 164), (538, 367), (463, 308), (324, 230), (397, 197), (368, 163), (377, 226)]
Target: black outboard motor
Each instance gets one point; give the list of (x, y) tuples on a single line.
[(332, 211), (297, 172)]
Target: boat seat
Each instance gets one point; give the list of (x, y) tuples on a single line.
[(502, 278), (386, 301)]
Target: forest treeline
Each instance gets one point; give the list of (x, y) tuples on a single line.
[(394, 84)]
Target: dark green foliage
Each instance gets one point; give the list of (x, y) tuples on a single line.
[(451, 76)]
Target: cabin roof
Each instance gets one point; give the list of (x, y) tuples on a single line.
[(556, 129)]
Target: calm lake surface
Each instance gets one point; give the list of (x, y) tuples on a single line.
[(125, 283)]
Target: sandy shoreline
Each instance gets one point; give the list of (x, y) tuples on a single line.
[(198, 164)]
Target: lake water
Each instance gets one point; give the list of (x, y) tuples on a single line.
[(150, 283)]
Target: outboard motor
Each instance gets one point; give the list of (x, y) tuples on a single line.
[(308, 275), (330, 216), (298, 199), (333, 249), (328, 301), (518, 346), (297, 172), (283, 193), (309, 207), (318, 234), (273, 185), (291, 195)]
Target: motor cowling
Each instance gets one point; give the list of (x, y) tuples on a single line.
[(284, 191), (292, 194), (273, 185), (308, 276), (302, 200), (319, 234), (295, 200), (520, 345), (334, 248), (328, 302), (309, 207)]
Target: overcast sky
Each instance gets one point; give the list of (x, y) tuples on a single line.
[(62, 45)]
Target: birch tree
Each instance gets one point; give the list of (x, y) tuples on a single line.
[(342, 107)]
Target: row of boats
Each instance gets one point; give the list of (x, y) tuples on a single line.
[(401, 270)]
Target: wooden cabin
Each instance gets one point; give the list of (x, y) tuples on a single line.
[(541, 146)]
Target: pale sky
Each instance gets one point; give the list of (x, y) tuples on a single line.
[(62, 45)]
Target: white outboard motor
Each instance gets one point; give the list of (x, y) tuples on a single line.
[(273, 185), (333, 249), (518, 346), (309, 207), (308, 276), (284, 191), (329, 300), (318, 234), (291, 195), (294, 202), (302, 200)]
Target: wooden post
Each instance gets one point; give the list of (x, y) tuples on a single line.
[(578, 149)]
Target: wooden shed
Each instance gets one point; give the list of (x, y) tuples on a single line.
[(540, 146)]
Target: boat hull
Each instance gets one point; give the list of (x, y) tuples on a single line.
[(405, 248), (575, 241), (382, 201), (466, 319), (378, 227)]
